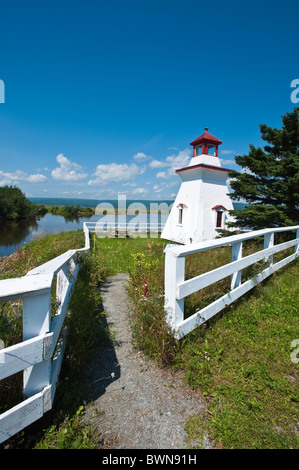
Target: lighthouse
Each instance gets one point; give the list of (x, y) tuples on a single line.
[(202, 204)]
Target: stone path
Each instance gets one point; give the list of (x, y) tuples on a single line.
[(135, 405)]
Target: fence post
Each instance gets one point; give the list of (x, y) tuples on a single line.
[(63, 280), (236, 255), (297, 246), (36, 322), (268, 243), (174, 273)]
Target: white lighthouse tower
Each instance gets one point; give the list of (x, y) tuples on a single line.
[(202, 203)]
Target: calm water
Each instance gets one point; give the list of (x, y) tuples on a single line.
[(14, 234)]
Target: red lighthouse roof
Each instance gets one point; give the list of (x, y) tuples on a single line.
[(206, 144), (206, 137)]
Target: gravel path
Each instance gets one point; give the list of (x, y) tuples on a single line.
[(134, 404)]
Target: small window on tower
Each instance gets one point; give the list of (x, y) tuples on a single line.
[(198, 150), (180, 208), (180, 215), (219, 219), (211, 149)]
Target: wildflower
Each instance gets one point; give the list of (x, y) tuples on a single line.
[(145, 289)]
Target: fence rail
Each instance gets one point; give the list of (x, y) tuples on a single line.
[(124, 229), (177, 288), (40, 353)]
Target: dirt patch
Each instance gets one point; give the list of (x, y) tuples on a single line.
[(134, 404)]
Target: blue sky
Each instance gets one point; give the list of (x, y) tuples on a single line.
[(104, 98)]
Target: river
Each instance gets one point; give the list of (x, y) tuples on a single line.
[(15, 234)]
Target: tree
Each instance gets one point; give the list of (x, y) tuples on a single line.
[(14, 205), (269, 182)]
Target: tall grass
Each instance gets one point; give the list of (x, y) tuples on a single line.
[(61, 427), (240, 360)]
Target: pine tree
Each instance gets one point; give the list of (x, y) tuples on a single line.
[(269, 182)]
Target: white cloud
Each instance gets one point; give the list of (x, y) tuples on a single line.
[(140, 156), (107, 192), (180, 160), (131, 185), (68, 171), (172, 163), (36, 178), (115, 172), (140, 191), (17, 176), (158, 188), (157, 164), (227, 162), (161, 174), (227, 152)]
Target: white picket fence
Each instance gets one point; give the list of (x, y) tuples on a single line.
[(177, 288), (41, 352)]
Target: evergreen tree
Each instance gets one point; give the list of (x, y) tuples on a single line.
[(269, 182), (15, 206)]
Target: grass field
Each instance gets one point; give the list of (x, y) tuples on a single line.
[(241, 361)]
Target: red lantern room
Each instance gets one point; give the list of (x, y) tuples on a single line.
[(206, 144)]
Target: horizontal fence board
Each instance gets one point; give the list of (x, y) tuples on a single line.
[(208, 312), (204, 280), (184, 250), (54, 265), (20, 356), (21, 415), (18, 288)]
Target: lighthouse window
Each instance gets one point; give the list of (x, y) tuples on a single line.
[(219, 219), (198, 150), (180, 215), (211, 149)]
